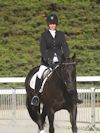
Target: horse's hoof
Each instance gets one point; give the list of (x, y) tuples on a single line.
[(75, 132), (42, 131)]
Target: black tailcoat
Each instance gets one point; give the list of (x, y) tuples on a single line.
[(50, 45)]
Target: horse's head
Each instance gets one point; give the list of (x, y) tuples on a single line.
[(68, 72)]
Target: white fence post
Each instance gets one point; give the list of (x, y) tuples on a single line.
[(13, 106), (92, 108)]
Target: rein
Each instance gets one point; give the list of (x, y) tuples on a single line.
[(59, 76), (72, 63), (57, 72)]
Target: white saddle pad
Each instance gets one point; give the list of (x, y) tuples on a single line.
[(33, 80)]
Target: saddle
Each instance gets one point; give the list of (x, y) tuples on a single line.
[(44, 78)]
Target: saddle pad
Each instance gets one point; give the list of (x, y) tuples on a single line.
[(33, 80), (44, 81)]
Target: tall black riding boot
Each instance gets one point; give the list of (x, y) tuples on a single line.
[(35, 98)]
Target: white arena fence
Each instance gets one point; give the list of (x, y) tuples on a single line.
[(13, 102)]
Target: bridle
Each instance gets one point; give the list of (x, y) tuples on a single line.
[(60, 72), (60, 75), (69, 63)]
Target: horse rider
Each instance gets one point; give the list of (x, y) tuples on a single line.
[(52, 46)]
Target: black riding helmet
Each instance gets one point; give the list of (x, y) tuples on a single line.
[(52, 19)]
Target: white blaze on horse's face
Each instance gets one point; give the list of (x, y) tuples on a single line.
[(42, 131)]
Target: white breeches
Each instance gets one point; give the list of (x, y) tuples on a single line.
[(41, 71)]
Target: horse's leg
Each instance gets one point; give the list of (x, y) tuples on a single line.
[(43, 115), (73, 115), (51, 121), (35, 115)]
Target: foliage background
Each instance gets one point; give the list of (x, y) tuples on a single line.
[(23, 21)]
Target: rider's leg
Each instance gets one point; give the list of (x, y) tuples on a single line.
[(35, 99)]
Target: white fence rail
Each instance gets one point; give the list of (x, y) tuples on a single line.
[(22, 79), (12, 102)]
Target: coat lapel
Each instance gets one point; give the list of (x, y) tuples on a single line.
[(51, 35)]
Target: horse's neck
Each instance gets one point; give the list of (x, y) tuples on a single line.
[(56, 73)]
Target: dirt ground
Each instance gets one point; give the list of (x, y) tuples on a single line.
[(27, 126)]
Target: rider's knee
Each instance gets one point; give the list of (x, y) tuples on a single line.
[(41, 71)]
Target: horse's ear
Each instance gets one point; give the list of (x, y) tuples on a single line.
[(74, 56)]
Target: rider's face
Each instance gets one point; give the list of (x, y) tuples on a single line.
[(52, 26)]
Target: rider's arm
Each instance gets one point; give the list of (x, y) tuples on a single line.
[(65, 47), (43, 48)]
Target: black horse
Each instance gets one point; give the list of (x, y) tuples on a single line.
[(59, 92)]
